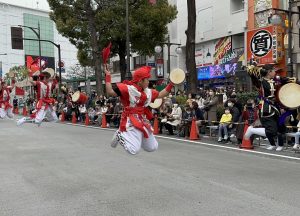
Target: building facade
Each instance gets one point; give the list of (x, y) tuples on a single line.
[(11, 16), (220, 40)]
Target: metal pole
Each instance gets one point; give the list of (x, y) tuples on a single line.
[(85, 79), (59, 66), (40, 48), (128, 74), (169, 54), (290, 51)]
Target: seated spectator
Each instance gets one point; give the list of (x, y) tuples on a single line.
[(184, 127), (200, 101), (210, 104), (224, 122), (82, 112), (190, 99), (250, 114), (165, 110), (117, 114), (174, 119), (109, 113), (297, 145), (92, 114)]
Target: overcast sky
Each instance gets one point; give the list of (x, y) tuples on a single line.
[(43, 4)]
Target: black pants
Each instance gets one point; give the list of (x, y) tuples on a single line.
[(273, 130)]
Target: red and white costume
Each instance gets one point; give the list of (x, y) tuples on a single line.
[(135, 130), (5, 106), (44, 105)]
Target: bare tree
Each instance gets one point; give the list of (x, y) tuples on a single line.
[(190, 46)]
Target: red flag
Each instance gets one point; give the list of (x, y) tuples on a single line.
[(106, 53)]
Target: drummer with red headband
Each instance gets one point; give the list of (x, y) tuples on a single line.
[(45, 103), (5, 106), (135, 131)]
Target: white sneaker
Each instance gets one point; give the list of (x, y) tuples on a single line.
[(115, 140), (220, 139), (21, 121), (296, 146), (248, 133), (271, 148), (225, 137), (232, 136), (279, 148)]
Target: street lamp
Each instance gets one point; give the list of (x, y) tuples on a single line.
[(178, 50), (38, 34), (128, 74), (276, 19)]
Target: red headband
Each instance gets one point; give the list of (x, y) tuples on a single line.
[(141, 73)]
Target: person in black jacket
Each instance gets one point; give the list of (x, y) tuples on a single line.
[(198, 114)]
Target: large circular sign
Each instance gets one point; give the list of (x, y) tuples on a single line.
[(261, 43)]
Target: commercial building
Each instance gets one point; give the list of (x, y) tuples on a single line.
[(11, 16)]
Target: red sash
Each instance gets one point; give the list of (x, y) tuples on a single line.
[(135, 115)]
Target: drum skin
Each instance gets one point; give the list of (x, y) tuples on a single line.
[(177, 76), (156, 104), (289, 95), (79, 97)]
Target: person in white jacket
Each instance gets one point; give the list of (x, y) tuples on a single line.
[(174, 119)]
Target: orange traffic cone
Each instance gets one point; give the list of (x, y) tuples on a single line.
[(247, 144), (87, 120), (104, 123), (193, 132), (62, 116), (74, 120), (24, 111), (155, 126)]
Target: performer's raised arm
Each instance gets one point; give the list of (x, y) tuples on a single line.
[(108, 86), (166, 91)]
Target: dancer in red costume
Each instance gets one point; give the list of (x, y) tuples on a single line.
[(45, 103), (5, 106), (135, 130)]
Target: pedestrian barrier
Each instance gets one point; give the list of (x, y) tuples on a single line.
[(155, 126), (104, 123), (62, 116), (247, 144), (16, 111), (193, 131), (87, 120), (74, 120), (25, 111)]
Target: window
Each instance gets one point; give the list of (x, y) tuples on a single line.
[(236, 5)]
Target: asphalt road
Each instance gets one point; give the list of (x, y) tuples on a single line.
[(60, 170)]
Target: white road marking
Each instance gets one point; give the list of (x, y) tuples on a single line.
[(202, 143)]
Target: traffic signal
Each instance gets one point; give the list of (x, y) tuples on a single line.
[(16, 38)]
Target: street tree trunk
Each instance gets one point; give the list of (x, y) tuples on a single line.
[(122, 56), (95, 46), (190, 47)]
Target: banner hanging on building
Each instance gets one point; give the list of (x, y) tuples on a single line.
[(265, 45)]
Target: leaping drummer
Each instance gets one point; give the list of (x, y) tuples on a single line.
[(5, 106), (45, 103), (135, 131)]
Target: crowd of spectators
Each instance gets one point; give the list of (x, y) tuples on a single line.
[(220, 108)]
